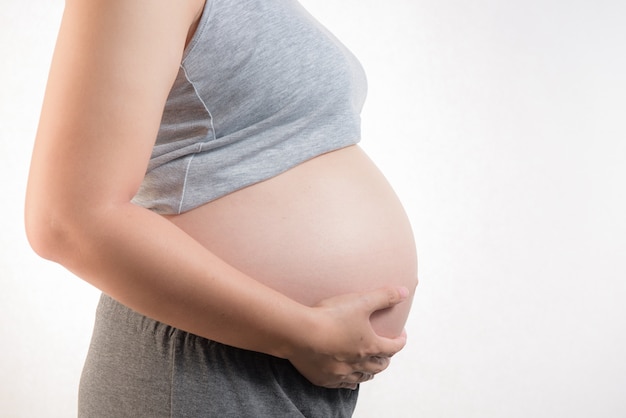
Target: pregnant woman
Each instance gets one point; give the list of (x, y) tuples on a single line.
[(198, 163)]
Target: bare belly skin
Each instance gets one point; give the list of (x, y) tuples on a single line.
[(329, 226)]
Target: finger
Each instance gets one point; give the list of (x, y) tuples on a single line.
[(346, 385), (385, 297), (352, 380), (377, 364), (388, 347), (358, 377), (373, 365), (362, 377)]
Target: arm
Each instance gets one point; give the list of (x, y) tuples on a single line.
[(113, 66)]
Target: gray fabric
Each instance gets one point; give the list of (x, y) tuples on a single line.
[(262, 87), (138, 367)]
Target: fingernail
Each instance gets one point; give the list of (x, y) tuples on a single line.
[(404, 292)]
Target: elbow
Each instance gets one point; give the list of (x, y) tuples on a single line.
[(50, 231), (46, 234)]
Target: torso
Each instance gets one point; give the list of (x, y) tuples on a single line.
[(329, 226)]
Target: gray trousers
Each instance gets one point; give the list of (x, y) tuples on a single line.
[(137, 367)]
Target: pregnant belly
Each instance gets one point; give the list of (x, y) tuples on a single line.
[(329, 226)]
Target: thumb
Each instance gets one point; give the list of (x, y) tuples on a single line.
[(385, 297)]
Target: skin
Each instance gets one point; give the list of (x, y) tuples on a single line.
[(329, 226), (113, 66)]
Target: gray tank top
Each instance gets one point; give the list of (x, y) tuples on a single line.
[(262, 87)]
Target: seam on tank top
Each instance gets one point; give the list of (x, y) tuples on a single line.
[(203, 24), (200, 144), (182, 194), (201, 100)]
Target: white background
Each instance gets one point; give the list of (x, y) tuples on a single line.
[(501, 124)]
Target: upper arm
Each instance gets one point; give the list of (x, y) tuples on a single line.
[(113, 66)]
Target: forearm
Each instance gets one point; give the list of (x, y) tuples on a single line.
[(150, 265)]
